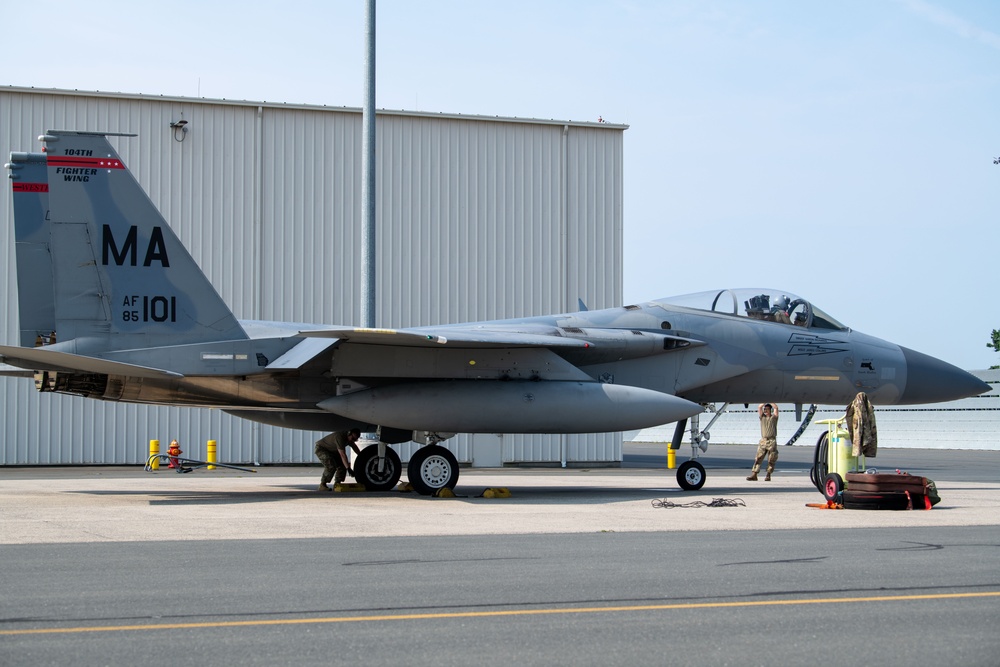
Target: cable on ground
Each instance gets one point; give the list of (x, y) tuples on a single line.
[(716, 502)]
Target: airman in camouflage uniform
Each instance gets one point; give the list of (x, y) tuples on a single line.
[(331, 450), (768, 445)]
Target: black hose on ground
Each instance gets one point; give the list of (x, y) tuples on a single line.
[(817, 474)]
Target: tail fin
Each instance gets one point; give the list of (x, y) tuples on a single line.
[(36, 306), (120, 275)]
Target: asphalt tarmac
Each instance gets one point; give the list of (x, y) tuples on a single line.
[(579, 566)]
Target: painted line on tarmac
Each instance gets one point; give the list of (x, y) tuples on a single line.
[(493, 614)]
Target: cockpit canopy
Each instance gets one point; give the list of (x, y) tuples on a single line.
[(760, 304)]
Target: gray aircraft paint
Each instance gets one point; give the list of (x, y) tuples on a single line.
[(36, 306), (136, 320), (122, 276)]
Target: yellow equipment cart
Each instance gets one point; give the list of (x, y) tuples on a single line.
[(833, 459)]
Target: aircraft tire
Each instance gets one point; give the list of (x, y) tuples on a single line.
[(432, 468), (691, 475), (833, 486), (366, 469)]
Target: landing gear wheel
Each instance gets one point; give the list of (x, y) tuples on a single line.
[(833, 486), (366, 469), (432, 468), (691, 475)]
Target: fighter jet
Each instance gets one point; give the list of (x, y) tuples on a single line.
[(113, 307)]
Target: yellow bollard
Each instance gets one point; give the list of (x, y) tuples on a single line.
[(212, 457), (671, 457), (154, 448)]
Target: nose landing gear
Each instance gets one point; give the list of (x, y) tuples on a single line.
[(691, 474)]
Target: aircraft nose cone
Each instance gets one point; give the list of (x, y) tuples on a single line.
[(930, 380)]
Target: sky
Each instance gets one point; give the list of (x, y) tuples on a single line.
[(840, 151)]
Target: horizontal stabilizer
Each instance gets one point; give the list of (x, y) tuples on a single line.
[(300, 355), (38, 358), (14, 372)]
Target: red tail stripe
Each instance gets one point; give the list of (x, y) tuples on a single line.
[(73, 161)]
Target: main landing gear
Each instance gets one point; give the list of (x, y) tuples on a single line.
[(378, 467), (430, 469)]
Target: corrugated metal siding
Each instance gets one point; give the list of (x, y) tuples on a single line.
[(595, 215), (310, 229), (465, 231), (199, 188), (477, 219)]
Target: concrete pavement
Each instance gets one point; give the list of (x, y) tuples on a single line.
[(126, 504)]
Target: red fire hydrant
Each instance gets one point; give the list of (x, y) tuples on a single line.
[(173, 452)]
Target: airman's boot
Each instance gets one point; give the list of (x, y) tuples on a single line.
[(752, 477), (767, 477)]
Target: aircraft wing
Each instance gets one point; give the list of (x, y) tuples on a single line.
[(38, 358), (460, 336)]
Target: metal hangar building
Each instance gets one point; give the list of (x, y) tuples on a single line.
[(477, 218)]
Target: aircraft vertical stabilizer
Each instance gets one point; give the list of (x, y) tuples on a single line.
[(36, 308), (122, 279)]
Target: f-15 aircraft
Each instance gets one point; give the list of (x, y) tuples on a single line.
[(113, 307)]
